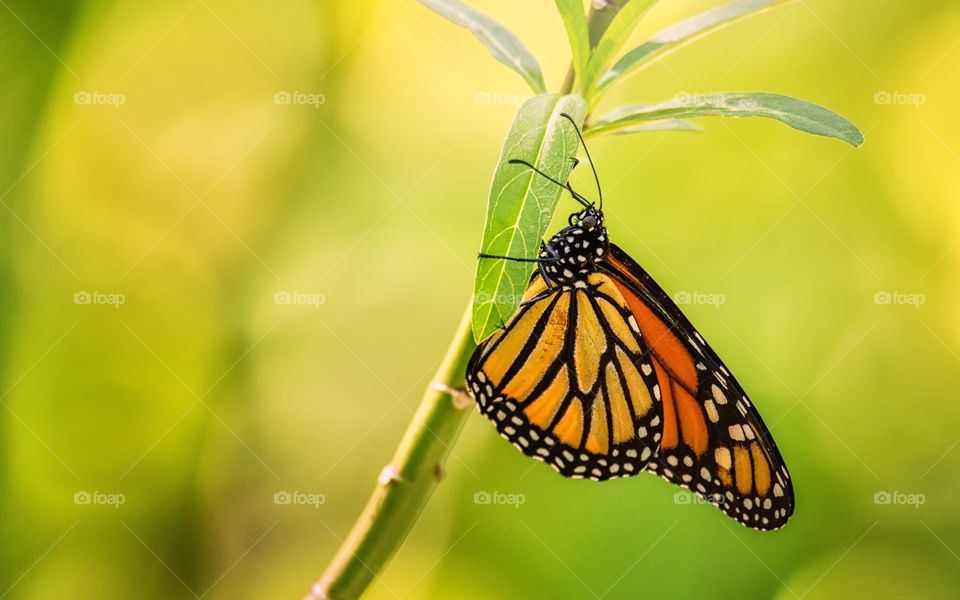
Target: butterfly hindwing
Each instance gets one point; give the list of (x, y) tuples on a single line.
[(714, 441), (567, 382)]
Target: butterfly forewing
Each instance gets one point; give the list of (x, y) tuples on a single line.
[(567, 382)]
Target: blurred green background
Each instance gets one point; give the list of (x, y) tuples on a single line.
[(210, 296)]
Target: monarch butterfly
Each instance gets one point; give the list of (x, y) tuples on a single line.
[(600, 375)]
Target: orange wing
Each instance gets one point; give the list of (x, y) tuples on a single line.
[(714, 441), (568, 382)]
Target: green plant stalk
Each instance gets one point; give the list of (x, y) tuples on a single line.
[(405, 485), (601, 15), (599, 18)]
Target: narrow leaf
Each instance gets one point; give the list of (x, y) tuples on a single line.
[(500, 41), (681, 34), (521, 204), (613, 40), (575, 22), (799, 114)]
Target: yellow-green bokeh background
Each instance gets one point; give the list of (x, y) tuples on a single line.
[(199, 398)]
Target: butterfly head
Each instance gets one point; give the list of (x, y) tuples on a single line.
[(589, 219)]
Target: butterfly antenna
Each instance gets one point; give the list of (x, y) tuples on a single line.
[(576, 196), (589, 158)]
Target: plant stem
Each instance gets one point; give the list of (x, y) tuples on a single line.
[(404, 485), (601, 15), (567, 86), (599, 18)]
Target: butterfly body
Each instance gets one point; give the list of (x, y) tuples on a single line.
[(571, 255)]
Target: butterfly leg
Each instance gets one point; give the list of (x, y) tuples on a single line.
[(541, 261), (554, 257), (546, 277), (551, 286)]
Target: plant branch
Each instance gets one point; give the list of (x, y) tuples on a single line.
[(599, 18), (601, 15), (567, 86), (404, 485)]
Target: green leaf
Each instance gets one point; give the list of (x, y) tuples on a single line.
[(500, 41), (613, 40), (796, 113), (521, 204), (681, 34), (575, 22)]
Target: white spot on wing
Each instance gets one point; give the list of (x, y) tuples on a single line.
[(736, 432), (718, 394), (711, 409)]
